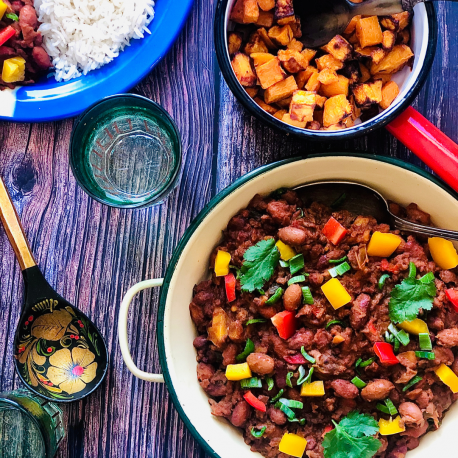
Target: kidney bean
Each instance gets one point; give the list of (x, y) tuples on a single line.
[(260, 363), (292, 235), (292, 299), (411, 414), (377, 390), (240, 414), (345, 389), (277, 416)]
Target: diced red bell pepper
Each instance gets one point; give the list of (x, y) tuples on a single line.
[(254, 401), (6, 34), (285, 322), (334, 231), (372, 327), (229, 281), (327, 429), (295, 359), (385, 266), (452, 296), (385, 352)]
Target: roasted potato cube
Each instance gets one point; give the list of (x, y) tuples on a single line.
[(389, 38), (255, 44), (296, 28), (355, 110), (366, 94), (314, 125), (365, 73), (313, 84), (396, 22), (338, 126), (280, 113), (327, 76), (270, 73), (308, 54), (336, 109), (269, 108), (374, 53), (281, 35), (340, 48), (333, 89), (252, 91), (369, 32), (218, 331), (284, 10), (266, 19), (261, 58), (295, 45), (382, 76), (348, 122), (328, 61), (292, 61), (287, 118), (403, 37), (234, 41), (266, 5), (394, 61), (390, 91), (245, 12), (280, 90), (353, 40), (303, 76), (241, 65), (351, 71), (320, 101), (351, 27), (302, 105), (265, 37), (284, 103)]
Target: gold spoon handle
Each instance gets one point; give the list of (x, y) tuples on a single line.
[(14, 231)]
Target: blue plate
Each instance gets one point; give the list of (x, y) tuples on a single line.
[(48, 100)]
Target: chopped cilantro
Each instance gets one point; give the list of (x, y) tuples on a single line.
[(259, 265), (410, 296), (352, 437)]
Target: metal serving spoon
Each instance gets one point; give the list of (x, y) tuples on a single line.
[(59, 353), (363, 200), (324, 19)]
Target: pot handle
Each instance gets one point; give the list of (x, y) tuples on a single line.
[(122, 330), (426, 141)]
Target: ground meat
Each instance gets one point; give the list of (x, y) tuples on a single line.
[(334, 347)]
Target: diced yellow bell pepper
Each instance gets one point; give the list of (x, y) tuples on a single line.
[(13, 70), (314, 389), (286, 252), (383, 245), (448, 377), (292, 444), (389, 427), (336, 293), (3, 8), (238, 371), (223, 258), (443, 252), (415, 327)]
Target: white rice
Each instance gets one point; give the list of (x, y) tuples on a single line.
[(82, 35)]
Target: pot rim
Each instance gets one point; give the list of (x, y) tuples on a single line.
[(379, 121), (201, 217)]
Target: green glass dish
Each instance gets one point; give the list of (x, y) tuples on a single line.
[(125, 152)]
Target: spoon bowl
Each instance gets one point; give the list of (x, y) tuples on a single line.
[(59, 353)]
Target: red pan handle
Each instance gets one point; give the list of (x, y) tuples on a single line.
[(426, 141)]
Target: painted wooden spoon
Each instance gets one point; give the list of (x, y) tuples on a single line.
[(59, 353)]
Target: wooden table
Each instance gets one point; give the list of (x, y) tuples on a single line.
[(91, 254)]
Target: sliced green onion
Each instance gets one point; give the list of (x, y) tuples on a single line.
[(301, 214), (413, 382), (309, 358), (291, 403), (297, 279), (275, 297), (429, 277), (308, 379), (358, 383), (338, 201), (307, 296), (278, 193), (336, 261), (284, 264), (12, 16), (286, 410), (425, 354), (339, 270), (256, 320), (253, 382), (296, 264), (382, 280), (388, 337), (301, 378), (270, 383), (259, 433), (358, 362), (277, 396), (249, 348), (425, 341), (412, 270), (402, 336), (396, 344), (341, 323), (368, 362), (391, 407), (383, 408), (288, 379), (301, 421), (261, 292)]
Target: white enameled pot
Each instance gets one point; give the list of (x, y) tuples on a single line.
[(403, 183)]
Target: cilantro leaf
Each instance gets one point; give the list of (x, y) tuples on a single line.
[(409, 297), (352, 437), (259, 265)]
